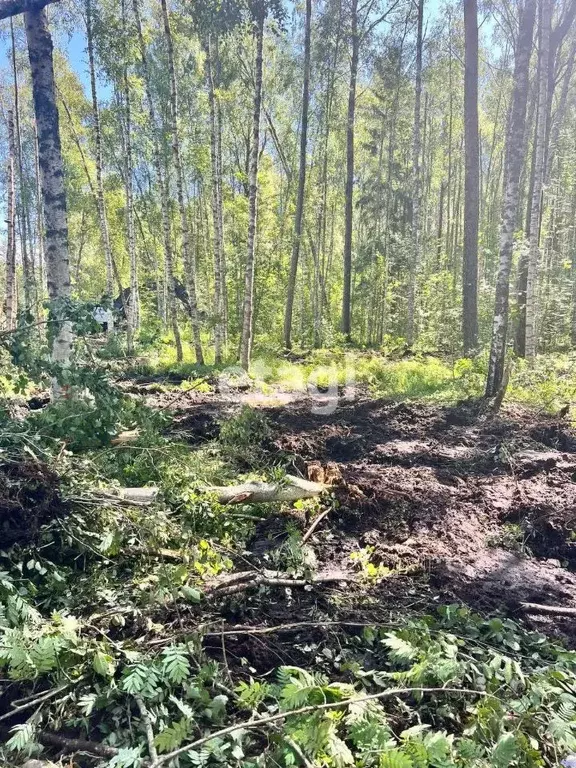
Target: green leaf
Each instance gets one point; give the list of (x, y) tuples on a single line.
[(505, 751), (103, 664)]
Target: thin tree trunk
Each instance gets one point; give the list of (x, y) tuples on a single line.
[(189, 258), (42, 288), (416, 192), (40, 53), (514, 158), (10, 281), (471, 182), (301, 181), (534, 246), (217, 207), (162, 187), (248, 308), (102, 217), (30, 298), (349, 191)]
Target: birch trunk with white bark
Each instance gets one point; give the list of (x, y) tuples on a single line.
[(40, 53)]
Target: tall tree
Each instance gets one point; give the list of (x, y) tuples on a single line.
[(10, 280), (514, 158), (259, 12), (162, 187), (471, 181), (30, 298), (187, 251), (40, 54), (539, 170), (102, 215), (217, 206), (298, 219), (349, 191), (416, 184)]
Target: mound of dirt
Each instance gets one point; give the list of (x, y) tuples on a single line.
[(485, 505), (29, 498)]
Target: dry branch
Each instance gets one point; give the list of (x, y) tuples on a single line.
[(247, 580), (549, 610)]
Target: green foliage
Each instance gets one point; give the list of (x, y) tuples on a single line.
[(242, 437)]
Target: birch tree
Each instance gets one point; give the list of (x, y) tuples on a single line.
[(10, 275), (301, 180), (40, 54), (248, 305), (187, 251), (471, 181), (539, 169), (514, 158), (161, 185)]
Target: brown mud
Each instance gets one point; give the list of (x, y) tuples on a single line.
[(458, 505)]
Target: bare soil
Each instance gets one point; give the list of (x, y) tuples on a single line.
[(462, 507)]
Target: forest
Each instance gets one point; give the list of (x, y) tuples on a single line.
[(287, 383)]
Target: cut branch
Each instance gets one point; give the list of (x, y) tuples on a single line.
[(291, 488), (263, 721), (549, 610)]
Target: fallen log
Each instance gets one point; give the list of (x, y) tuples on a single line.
[(548, 610), (290, 488)]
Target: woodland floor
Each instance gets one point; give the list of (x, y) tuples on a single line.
[(459, 506)]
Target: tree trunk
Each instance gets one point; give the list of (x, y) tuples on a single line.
[(40, 53), (40, 224), (217, 207), (248, 309), (102, 218), (189, 258), (416, 148), (301, 181), (349, 191), (10, 281), (471, 182), (539, 168), (30, 297), (514, 159), (162, 187)]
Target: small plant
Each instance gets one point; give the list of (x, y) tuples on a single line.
[(242, 437), (511, 537), (364, 561)]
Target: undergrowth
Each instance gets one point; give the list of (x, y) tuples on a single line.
[(110, 627)]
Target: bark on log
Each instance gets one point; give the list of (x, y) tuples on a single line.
[(290, 489), (549, 610)]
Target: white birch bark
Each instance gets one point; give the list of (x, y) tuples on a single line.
[(40, 53)]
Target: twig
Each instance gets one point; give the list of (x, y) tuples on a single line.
[(246, 630), (147, 723), (550, 610), (76, 745), (32, 702), (311, 708), (315, 525), (297, 751), (279, 581)]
